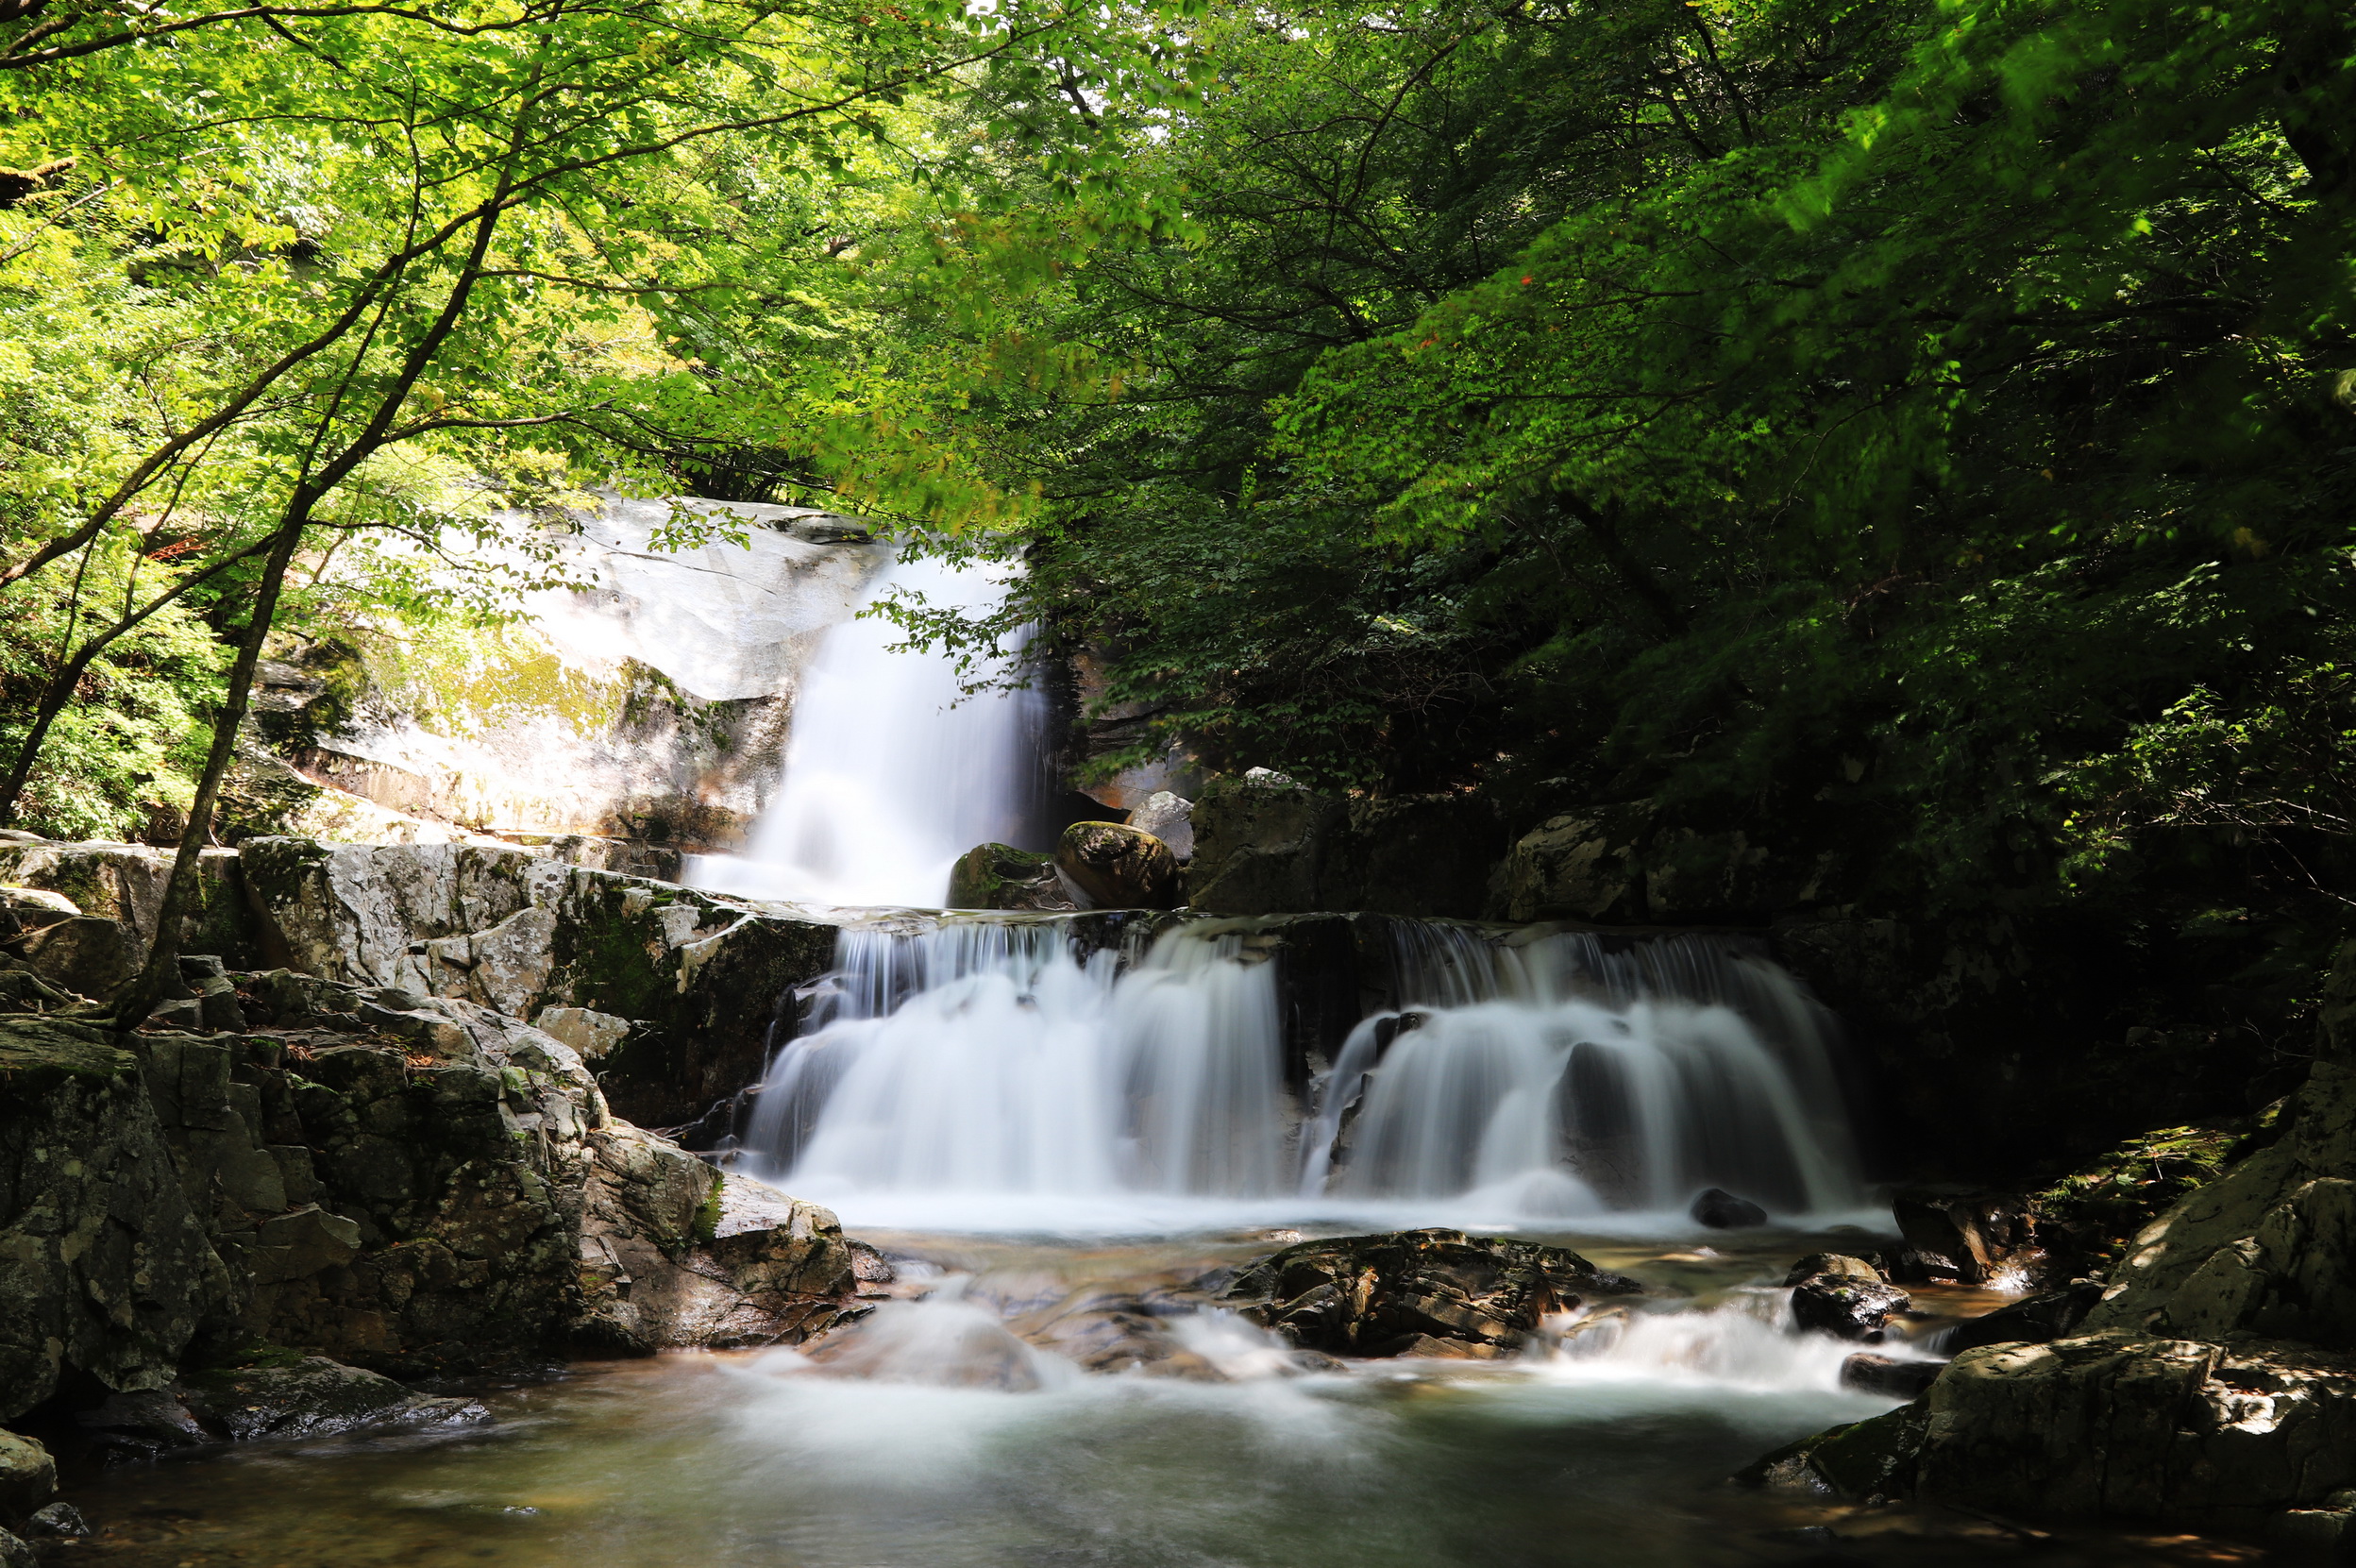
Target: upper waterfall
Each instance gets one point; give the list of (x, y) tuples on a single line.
[(894, 768)]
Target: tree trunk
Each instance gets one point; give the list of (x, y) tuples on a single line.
[(162, 975)]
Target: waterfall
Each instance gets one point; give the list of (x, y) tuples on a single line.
[(1044, 1065), (893, 771)]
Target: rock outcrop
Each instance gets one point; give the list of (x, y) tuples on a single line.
[(1423, 1292), (408, 1184), (697, 978), (1265, 845), (2212, 1385)]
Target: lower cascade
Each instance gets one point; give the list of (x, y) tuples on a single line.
[(1505, 1077)]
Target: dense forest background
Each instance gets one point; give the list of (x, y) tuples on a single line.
[(1916, 435)]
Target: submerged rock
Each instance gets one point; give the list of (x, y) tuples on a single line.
[(313, 1397), (1722, 1210), (1118, 866), (1387, 1294)]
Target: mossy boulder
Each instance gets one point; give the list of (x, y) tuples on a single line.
[(999, 876), (1118, 866)]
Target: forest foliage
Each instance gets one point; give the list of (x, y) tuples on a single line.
[(1918, 431)]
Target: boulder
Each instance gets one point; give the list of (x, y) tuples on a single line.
[(1264, 847), (29, 1478), (1869, 1373), (125, 882), (107, 1267), (1846, 1298), (1118, 866), (313, 1397), (1722, 1210), (88, 955), (14, 1553), (1978, 1231), (591, 1034), (1581, 867), (1169, 818), (28, 909), (1417, 1292), (999, 876), (2033, 1319)]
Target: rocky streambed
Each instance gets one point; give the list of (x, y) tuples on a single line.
[(332, 1258)]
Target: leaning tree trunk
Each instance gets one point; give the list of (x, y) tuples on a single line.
[(162, 975)]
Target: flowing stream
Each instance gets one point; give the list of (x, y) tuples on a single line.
[(1028, 1112)]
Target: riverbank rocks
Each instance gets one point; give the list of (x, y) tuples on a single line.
[(2212, 1385), (1118, 866), (1892, 1380), (1844, 1297), (29, 1478), (2033, 1319), (999, 876), (1424, 1292), (312, 1397), (697, 978), (410, 1185)]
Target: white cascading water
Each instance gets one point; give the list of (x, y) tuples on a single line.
[(893, 771), (984, 1065)]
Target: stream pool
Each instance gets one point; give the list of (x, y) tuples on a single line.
[(1581, 1455)]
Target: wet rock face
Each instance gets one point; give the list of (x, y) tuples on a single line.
[(2032, 1320), (1118, 866), (1893, 1379), (1844, 1297), (1417, 1293)]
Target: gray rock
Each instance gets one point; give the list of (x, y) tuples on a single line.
[(591, 1034), (1266, 850), (14, 1553), (89, 955), (1584, 867), (27, 909), (1169, 818), (146, 1422), (108, 1267)]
